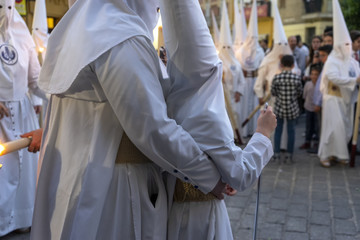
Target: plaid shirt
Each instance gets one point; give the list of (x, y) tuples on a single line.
[(286, 88)]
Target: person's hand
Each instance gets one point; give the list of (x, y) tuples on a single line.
[(37, 109), (229, 190), (36, 139), (219, 190), (317, 108), (266, 122), (237, 96), (261, 101), (3, 111)]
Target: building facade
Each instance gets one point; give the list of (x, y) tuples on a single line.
[(55, 11), (300, 17), (305, 18)]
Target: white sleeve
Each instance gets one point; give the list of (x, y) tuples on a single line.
[(260, 82), (240, 83), (241, 168), (332, 73), (33, 75), (129, 75)]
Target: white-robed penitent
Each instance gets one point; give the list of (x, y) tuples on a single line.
[(270, 65), (337, 86), (233, 78), (19, 73), (250, 55), (195, 99), (92, 183)]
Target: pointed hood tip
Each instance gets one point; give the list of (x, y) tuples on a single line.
[(341, 32), (253, 22), (225, 33), (279, 32), (240, 23)]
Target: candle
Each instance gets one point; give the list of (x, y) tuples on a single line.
[(15, 145)]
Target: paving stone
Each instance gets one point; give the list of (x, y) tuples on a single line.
[(319, 178), (270, 231), (319, 186), (342, 212), (247, 221), (344, 227), (295, 236), (276, 216), (346, 237), (320, 232), (243, 234), (295, 224), (338, 191), (340, 200), (234, 213), (320, 218), (298, 210), (299, 198), (320, 206), (236, 201), (319, 196), (279, 203)]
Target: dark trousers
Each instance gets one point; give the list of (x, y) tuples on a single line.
[(311, 126), (290, 131)]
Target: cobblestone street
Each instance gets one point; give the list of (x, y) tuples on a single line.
[(297, 202), (300, 201)]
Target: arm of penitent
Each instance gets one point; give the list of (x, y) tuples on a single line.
[(129, 75)]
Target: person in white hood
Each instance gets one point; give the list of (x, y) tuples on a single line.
[(19, 73), (250, 56), (195, 100), (340, 74), (233, 78), (107, 133), (271, 63)]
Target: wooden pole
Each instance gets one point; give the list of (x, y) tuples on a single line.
[(355, 133), (255, 110)]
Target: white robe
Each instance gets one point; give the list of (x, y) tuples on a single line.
[(337, 112), (233, 82), (80, 189), (195, 99), (18, 174)]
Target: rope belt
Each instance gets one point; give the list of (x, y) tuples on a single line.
[(334, 90), (185, 192), (128, 153), (250, 73)]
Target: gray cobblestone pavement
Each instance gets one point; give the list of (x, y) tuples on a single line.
[(298, 201)]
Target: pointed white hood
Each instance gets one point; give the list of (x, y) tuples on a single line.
[(6, 16), (39, 26), (279, 32), (240, 24), (215, 30), (342, 41), (78, 40), (225, 33), (13, 29), (251, 54), (196, 99), (226, 52), (280, 46), (340, 62)]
